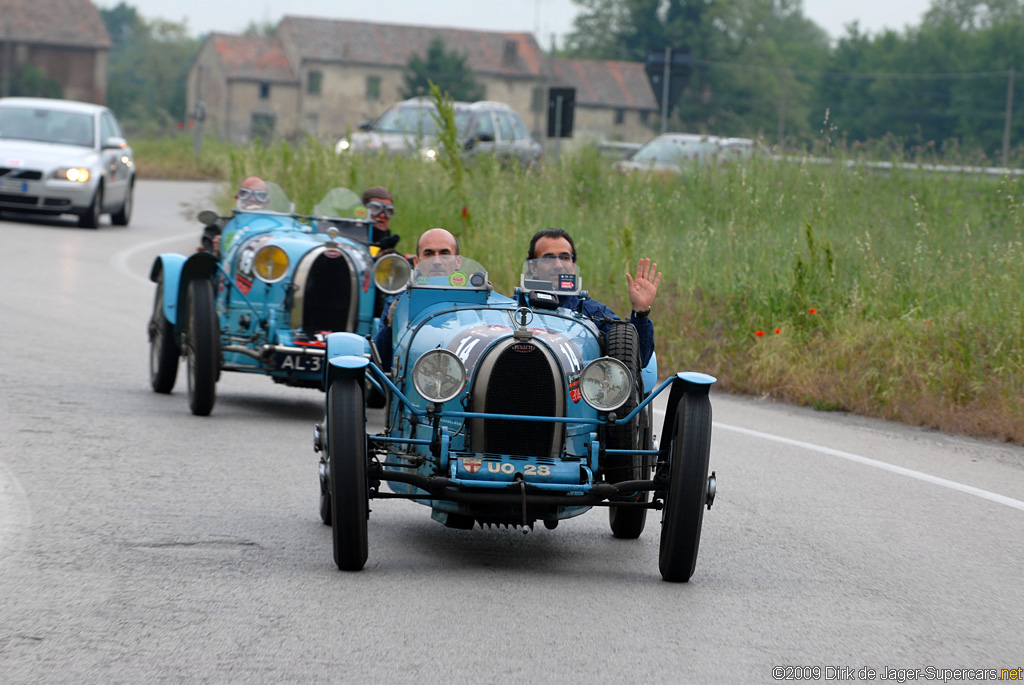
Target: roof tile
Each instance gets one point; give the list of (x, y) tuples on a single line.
[(605, 83), (73, 23)]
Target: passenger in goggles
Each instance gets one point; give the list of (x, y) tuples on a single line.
[(381, 207)]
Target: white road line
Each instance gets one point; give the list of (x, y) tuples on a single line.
[(120, 258), (856, 458)]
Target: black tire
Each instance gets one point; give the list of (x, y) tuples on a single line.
[(124, 215), (628, 522), (687, 489), (163, 348), (202, 347), (91, 217), (346, 454)]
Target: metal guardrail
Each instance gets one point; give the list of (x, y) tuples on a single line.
[(889, 166)]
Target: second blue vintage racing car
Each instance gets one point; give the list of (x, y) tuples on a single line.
[(282, 283), (509, 411)]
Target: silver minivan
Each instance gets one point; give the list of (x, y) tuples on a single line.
[(408, 128)]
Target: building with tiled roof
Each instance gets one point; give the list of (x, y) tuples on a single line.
[(326, 76), (613, 99), (66, 40)]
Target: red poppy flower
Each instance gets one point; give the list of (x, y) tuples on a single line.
[(759, 333), (465, 212), (812, 310), (777, 331)]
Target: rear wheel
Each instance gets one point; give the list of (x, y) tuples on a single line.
[(202, 347), (163, 348), (627, 522), (687, 488), (91, 217), (124, 215), (346, 452)]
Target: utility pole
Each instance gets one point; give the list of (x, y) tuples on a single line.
[(782, 107), (1009, 115), (664, 90)]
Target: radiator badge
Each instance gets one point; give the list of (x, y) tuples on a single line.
[(472, 464)]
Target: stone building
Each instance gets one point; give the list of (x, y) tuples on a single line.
[(325, 76), (64, 40)]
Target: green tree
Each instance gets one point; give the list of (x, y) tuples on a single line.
[(448, 70), (148, 69)]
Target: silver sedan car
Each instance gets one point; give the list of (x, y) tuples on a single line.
[(64, 157)]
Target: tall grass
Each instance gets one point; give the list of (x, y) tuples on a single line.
[(895, 294)]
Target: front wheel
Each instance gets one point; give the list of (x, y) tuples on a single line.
[(687, 488), (346, 453), (163, 348), (90, 218), (202, 347), (123, 216), (627, 522)]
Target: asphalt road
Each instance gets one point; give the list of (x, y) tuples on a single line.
[(141, 544)]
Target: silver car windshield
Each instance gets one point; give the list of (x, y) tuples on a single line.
[(416, 121), (47, 126), (449, 271), (554, 274)]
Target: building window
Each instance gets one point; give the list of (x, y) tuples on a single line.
[(313, 82), (373, 87), (264, 90), (262, 126), (620, 116), (645, 116)]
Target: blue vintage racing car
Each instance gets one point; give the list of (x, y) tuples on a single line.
[(509, 411), (282, 283)]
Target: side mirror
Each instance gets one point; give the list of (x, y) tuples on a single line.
[(485, 137), (365, 125), (208, 216), (114, 143)]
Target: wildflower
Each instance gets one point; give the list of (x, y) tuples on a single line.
[(465, 211), (759, 334), (777, 331), (812, 310)]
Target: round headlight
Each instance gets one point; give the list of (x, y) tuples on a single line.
[(391, 273), (606, 384), (439, 376), (270, 263)]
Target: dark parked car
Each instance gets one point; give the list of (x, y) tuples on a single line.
[(64, 157)]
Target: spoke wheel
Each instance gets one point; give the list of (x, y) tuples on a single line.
[(346, 453), (163, 348), (627, 522), (202, 347), (687, 489)]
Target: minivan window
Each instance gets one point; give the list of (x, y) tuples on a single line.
[(504, 127)]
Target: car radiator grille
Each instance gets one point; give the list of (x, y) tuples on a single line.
[(20, 174), (328, 296), (521, 384)]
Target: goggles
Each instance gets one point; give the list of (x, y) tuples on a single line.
[(258, 195), (376, 208), (562, 256)]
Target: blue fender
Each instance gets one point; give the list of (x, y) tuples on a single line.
[(177, 271), (346, 357), (649, 374), (169, 266)]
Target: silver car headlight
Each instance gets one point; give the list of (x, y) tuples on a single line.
[(606, 384), (342, 146), (439, 376), (75, 173)]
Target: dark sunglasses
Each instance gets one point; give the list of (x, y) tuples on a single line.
[(259, 195), (378, 207), (563, 256)]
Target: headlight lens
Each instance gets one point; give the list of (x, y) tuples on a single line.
[(270, 263), (77, 174), (606, 384), (342, 146), (391, 273), (428, 154), (439, 376)]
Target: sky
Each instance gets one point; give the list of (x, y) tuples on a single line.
[(542, 17)]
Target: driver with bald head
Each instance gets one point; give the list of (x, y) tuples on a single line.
[(437, 254)]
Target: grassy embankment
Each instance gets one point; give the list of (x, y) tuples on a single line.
[(888, 294)]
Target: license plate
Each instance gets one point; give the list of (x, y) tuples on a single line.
[(298, 362), (14, 186)]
